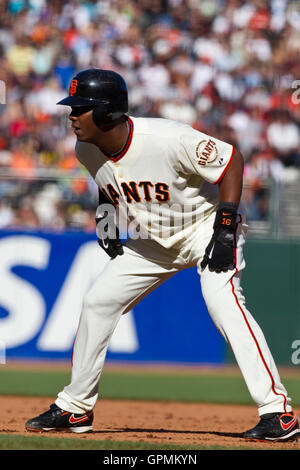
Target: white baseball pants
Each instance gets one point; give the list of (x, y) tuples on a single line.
[(128, 279)]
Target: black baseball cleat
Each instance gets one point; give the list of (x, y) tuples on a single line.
[(57, 419), (275, 427)]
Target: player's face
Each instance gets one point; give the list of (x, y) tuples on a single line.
[(83, 124)]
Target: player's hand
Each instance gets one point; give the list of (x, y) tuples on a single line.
[(108, 237), (220, 252)]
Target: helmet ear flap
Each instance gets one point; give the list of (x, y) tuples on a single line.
[(100, 114), (104, 117)]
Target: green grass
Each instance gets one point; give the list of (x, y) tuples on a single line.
[(52, 443), (219, 388), (210, 388)]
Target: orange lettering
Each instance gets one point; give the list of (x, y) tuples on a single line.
[(73, 87), (226, 221)]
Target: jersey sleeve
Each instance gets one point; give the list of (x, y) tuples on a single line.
[(205, 156)]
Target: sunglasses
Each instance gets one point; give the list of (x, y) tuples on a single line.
[(79, 110)]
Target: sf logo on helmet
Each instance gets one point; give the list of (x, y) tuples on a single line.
[(73, 87)]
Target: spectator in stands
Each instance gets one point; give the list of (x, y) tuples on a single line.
[(224, 67), (283, 135)]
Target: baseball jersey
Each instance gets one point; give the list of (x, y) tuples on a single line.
[(163, 182)]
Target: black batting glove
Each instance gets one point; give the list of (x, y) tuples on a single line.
[(108, 236), (219, 253)]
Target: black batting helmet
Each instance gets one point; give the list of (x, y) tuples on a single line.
[(106, 90)]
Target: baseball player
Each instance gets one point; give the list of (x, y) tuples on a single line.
[(179, 191)]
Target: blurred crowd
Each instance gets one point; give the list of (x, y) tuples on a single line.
[(227, 67)]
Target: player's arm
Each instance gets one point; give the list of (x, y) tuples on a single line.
[(219, 254), (230, 186)]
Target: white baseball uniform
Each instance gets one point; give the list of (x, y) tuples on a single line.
[(164, 182)]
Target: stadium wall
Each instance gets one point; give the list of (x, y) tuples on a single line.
[(44, 276), (271, 284)]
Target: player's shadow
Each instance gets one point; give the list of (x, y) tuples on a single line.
[(236, 435)]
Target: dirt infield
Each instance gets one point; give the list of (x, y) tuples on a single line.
[(159, 422)]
